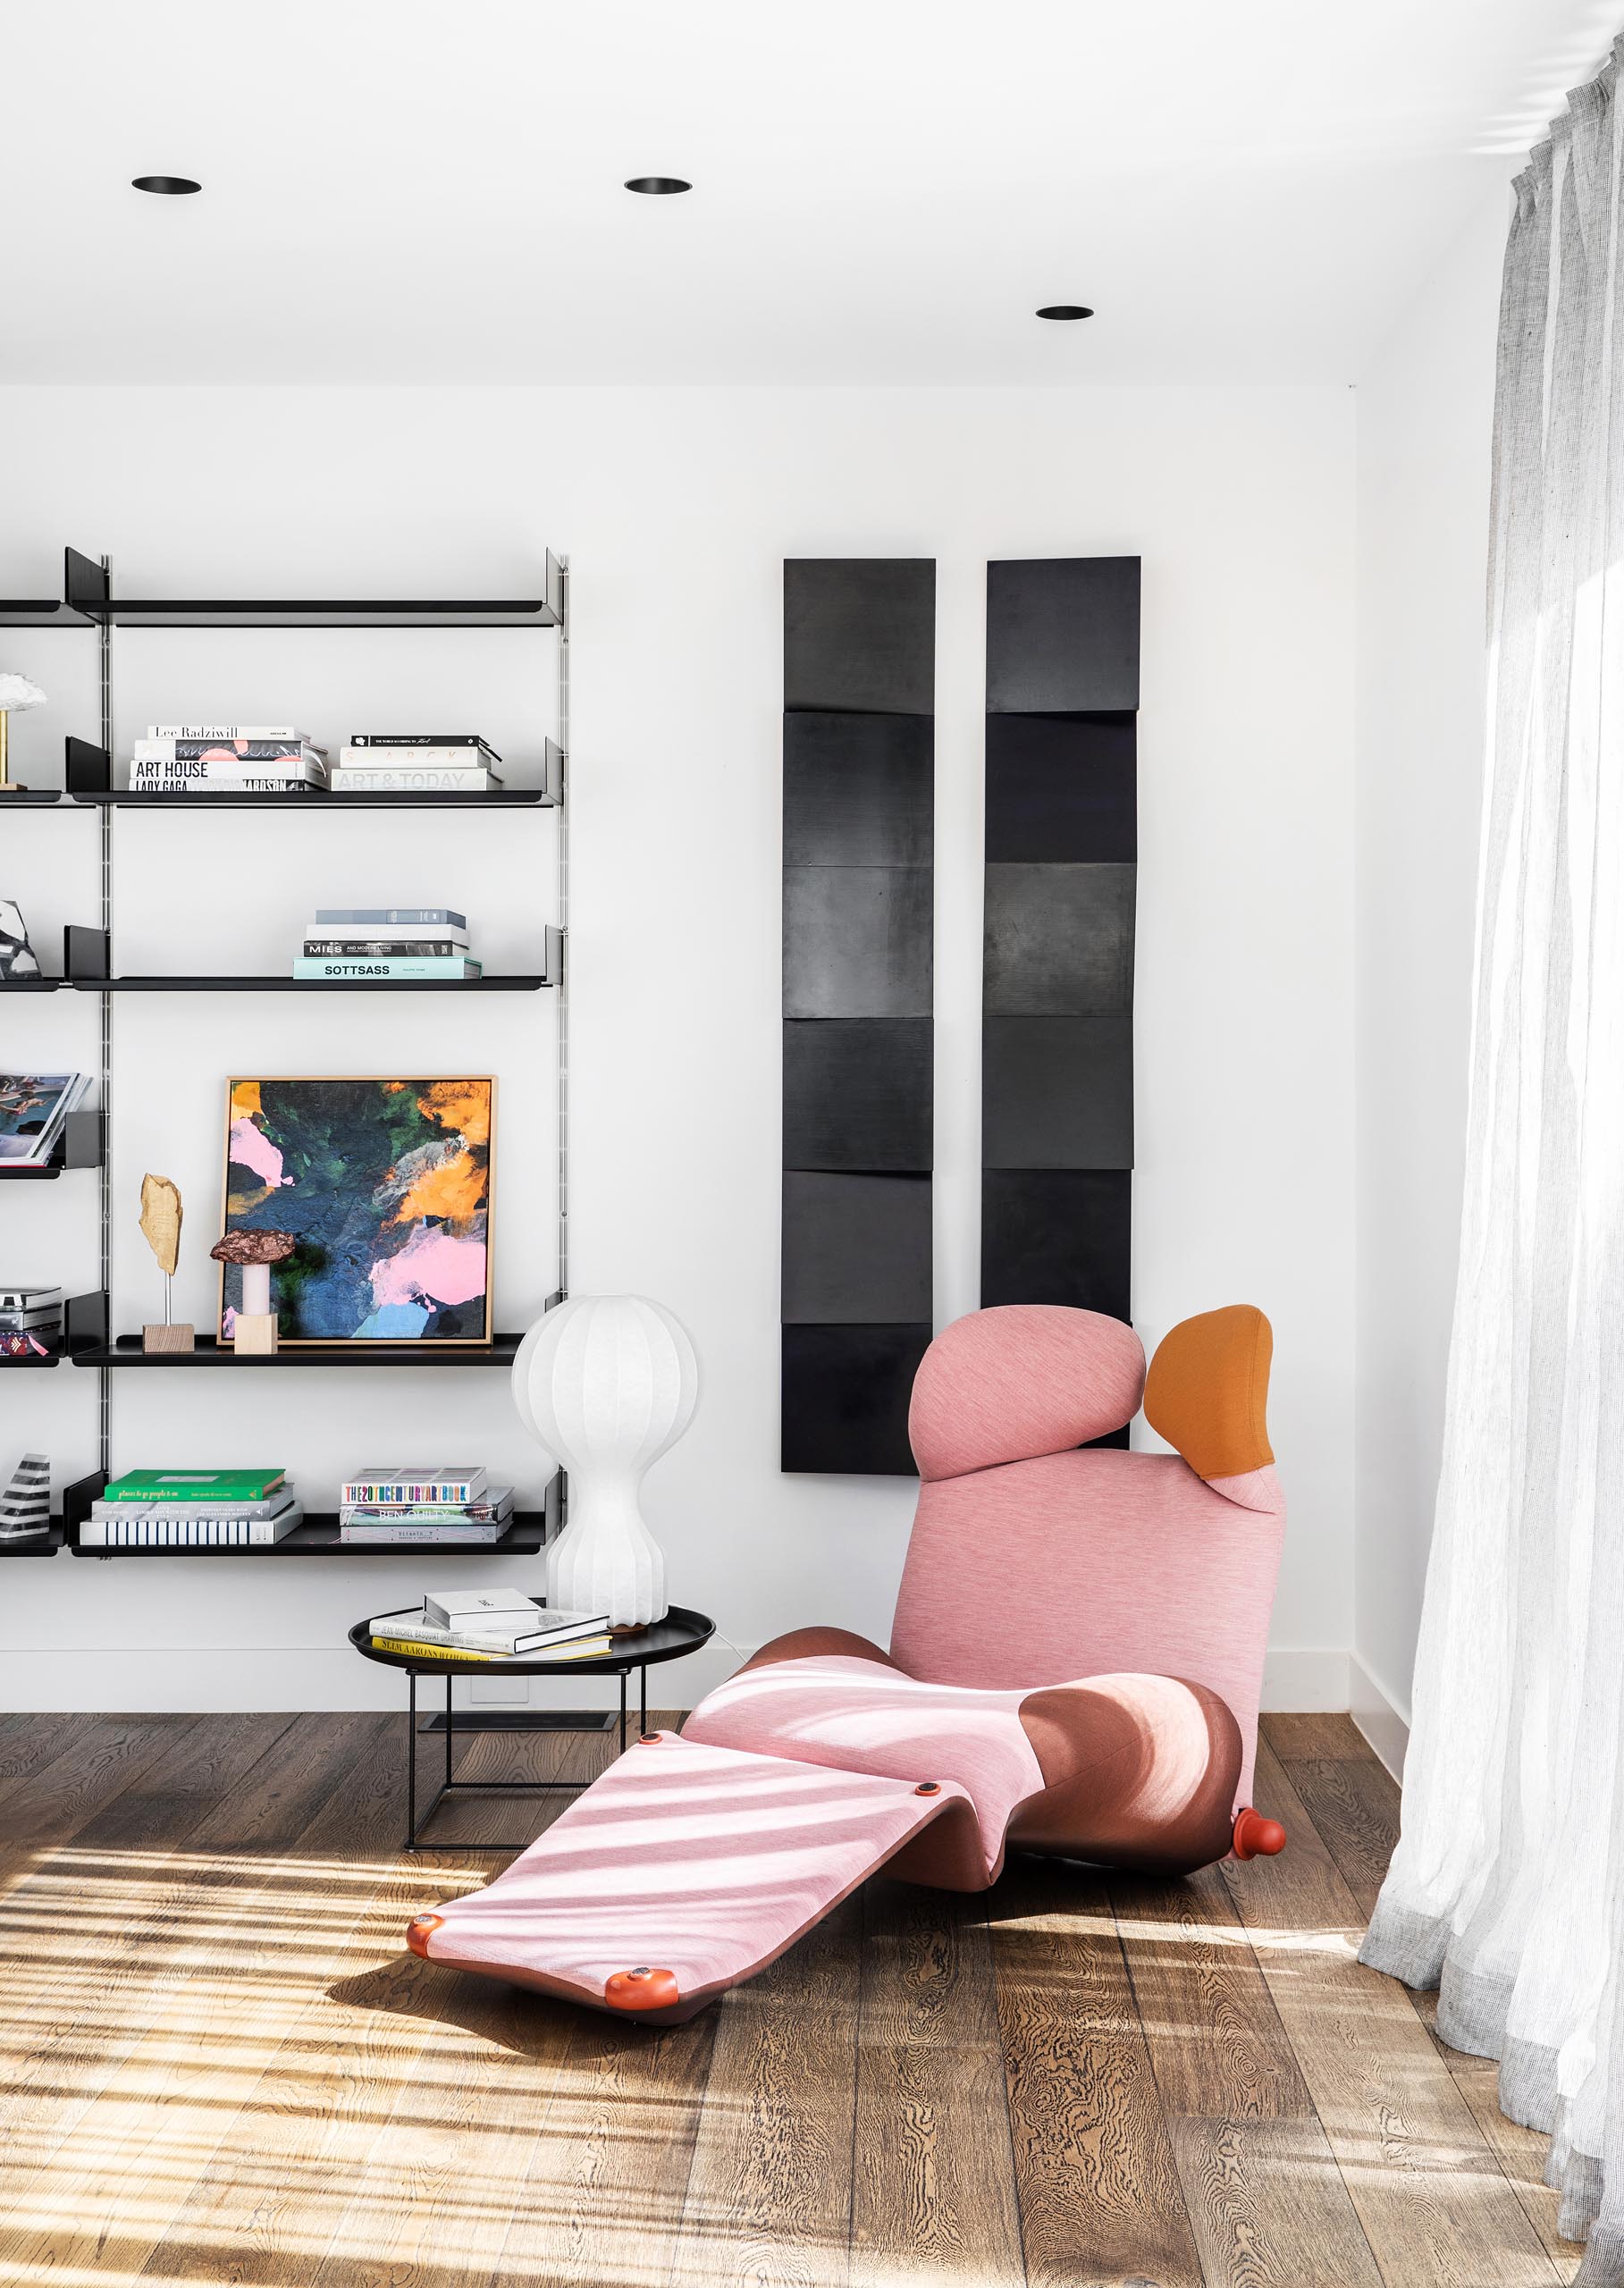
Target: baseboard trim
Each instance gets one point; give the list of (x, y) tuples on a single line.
[(213, 1679), (1378, 1716), (216, 1680)]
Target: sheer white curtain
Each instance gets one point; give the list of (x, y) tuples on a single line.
[(1507, 1889)]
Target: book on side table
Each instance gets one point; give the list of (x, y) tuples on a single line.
[(493, 1624)]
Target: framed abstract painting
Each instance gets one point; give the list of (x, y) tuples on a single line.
[(384, 1188)]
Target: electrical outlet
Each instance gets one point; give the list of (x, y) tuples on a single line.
[(498, 1692)]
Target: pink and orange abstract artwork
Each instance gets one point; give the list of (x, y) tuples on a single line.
[(385, 1187)]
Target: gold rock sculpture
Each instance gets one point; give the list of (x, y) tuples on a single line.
[(161, 1230)]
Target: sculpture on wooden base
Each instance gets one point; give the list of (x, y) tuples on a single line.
[(254, 1322), (161, 1230)]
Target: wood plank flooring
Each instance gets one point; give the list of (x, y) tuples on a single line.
[(217, 2064)]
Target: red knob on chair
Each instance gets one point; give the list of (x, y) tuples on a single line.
[(641, 1989), (418, 1931), (1257, 1838)]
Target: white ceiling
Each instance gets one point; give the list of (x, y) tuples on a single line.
[(885, 189)]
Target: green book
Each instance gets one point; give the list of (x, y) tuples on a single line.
[(193, 1485)]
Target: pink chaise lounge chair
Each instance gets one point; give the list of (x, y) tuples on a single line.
[(1075, 1662)]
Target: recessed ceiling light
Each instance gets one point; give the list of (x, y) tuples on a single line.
[(1064, 310), (656, 186), (164, 186)]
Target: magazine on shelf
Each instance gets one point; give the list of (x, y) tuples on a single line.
[(34, 1109)]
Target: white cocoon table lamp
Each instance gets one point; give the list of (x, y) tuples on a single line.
[(606, 1382)]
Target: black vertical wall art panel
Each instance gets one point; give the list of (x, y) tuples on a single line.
[(859, 793), (1057, 993)]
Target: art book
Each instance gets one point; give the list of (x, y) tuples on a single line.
[(34, 1108)]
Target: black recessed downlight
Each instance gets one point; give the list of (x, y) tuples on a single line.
[(1064, 310), (656, 186), (164, 186)]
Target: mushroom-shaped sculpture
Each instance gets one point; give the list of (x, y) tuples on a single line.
[(253, 1252)]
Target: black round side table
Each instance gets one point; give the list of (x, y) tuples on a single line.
[(681, 1631)]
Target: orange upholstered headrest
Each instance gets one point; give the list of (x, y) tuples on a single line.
[(1023, 1379), (1207, 1393)]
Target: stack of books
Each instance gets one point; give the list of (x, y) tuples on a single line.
[(34, 1108), (491, 1625), (30, 1322), (192, 1509), (427, 943), (227, 759), (416, 762), (451, 1506)]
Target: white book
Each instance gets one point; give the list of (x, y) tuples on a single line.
[(190, 1533), (227, 750), (345, 780), (170, 773), (498, 1633), (452, 1608), (223, 731), (447, 1482), (404, 933), (417, 758)]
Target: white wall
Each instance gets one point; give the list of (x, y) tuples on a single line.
[(1425, 411), (676, 509)]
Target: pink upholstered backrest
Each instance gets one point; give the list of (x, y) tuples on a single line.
[(1030, 1379), (1064, 1564)]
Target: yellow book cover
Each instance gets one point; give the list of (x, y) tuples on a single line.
[(430, 1652)]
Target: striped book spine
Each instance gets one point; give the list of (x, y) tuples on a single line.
[(201, 1533)]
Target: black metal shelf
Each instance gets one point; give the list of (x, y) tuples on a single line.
[(88, 773), (32, 798), (88, 596), (40, 611), (37, 1544), (277, 985), (324, 802), (304, 984), (146, 611), (79, 1145), (317, 1535), (76, 1499), (126, 1351), (86, 962)]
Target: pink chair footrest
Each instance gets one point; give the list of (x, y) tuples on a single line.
[(682, 1871)]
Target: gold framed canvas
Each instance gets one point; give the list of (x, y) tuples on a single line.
[(385, 1188)]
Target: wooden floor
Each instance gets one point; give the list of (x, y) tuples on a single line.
[(221, 2065)]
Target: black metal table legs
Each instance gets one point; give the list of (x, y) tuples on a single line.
[(449, 1786)]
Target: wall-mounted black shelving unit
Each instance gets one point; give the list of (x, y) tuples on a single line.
[(89, 604), (87, 594), (316, 1534), (410, 1357), (87, 775)]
